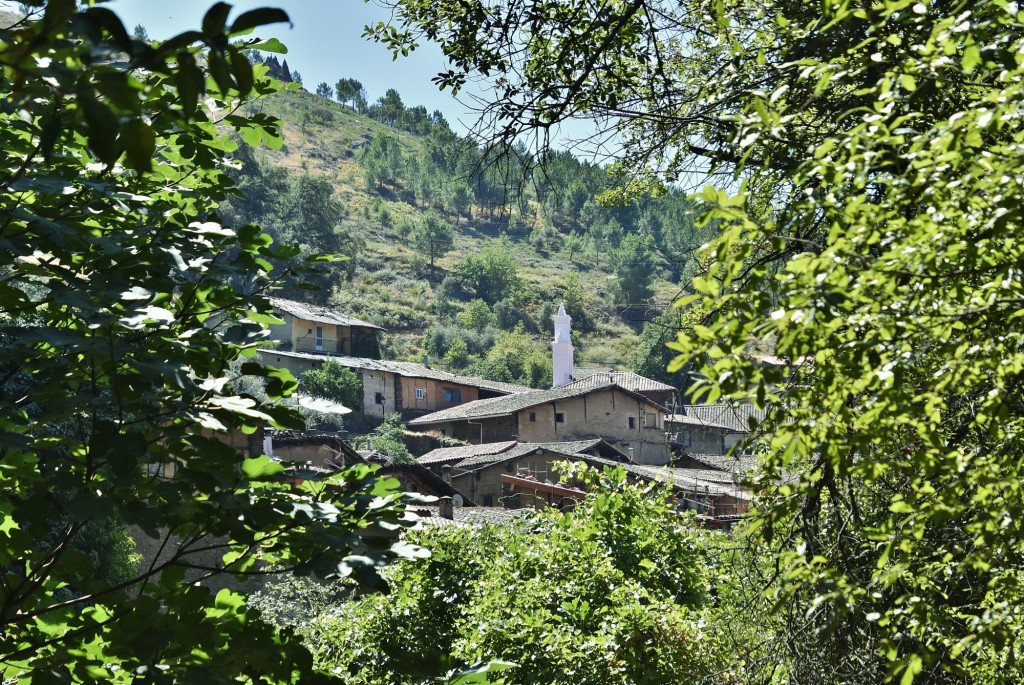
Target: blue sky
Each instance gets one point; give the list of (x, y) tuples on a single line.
[(325, 43)]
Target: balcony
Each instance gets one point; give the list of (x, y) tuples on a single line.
[(319, 345)]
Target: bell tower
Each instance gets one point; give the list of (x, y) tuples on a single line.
[(562, 364)]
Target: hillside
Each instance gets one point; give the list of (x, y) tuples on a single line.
[(527, 235)]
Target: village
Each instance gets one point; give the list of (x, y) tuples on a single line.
[(488, 449)]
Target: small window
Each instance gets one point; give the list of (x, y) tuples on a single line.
[(632, 422), (378, 398), (421, 393), (684, 438), (452, 395), (533, 416), (510, 466), (488, 500), (559, 417)]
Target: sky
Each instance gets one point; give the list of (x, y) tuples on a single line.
[(324, 43)]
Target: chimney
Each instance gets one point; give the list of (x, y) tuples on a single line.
[(444, 508), (562, 364)]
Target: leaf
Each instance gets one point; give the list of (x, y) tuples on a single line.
[(259, 17), (270, 45), (480, 674), (261, 468), (215, 18)]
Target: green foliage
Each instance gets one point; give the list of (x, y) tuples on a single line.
[(433, 236), (117, 308), (492, 274), (477, 316), (324, 90), (332, 381), (633, 264), (389, 440), (892, 299), (457, 355), (516, 358), (350, 90), (870, 235), (617, 591), (382, 161)]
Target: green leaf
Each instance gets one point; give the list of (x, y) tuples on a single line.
[(215, 18), (258, 17), (261, 468), (270, 45)]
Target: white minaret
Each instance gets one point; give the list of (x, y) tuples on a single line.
[(561, 349)]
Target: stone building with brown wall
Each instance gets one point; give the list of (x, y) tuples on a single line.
[(390, 386), (621, 417)]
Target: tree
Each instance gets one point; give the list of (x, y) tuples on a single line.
[(332, 381), (324, 90), (382, 160), (389, 108), (117, 308), (349, 90), (614, 590), (433, 236), (140, 33), (492, 274), (633, 264), (867, 234)]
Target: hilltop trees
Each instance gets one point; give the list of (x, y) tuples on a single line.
[(349, 90), (119, 326)]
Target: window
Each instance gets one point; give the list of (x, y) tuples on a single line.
[(632, 422), (452, 395), (684, 438), (488, 500), (378, 398), (421, 393), (533, 416), (559, 417)]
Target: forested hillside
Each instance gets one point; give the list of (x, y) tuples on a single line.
[(464, 255)]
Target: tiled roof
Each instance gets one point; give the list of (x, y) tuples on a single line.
[(450, 455), (624, 379), (679, 479), (476, 516), (568, 449), (407, 369), (684, 420), (711, 475), (726, 463), (312, 312), (738, 417), (504, 406)]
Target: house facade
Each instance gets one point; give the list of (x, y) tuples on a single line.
[(320, 330), (712, 429), (405, 387), (483, 471), (630, 421)]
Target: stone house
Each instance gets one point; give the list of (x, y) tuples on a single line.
[(630, 421), (656, 391), (311, 328), (405, 387), (710, 428), (480, 471)]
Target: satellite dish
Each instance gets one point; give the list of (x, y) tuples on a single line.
[(457, 500)]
